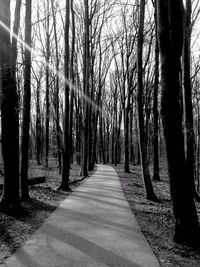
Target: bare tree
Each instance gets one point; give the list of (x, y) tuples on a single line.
[(187, 96), (9, 115), (57, 115), (66, 146), (170, 34), (26, 103), (156, 175), (142, 135), (47, 86), (85, 92), (72, 77)]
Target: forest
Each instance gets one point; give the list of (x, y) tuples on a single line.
[(88, 82)]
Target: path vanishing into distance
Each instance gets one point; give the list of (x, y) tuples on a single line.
[(93, 226)]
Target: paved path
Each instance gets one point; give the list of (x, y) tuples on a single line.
[(93, 226)]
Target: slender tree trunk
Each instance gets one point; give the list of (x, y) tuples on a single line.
[(86, 92), (108, 140), (132, 153), (97, 114), (170, 32), (26, 103), (142, 135), (90, 140), (102, 144), (38, 125), (156, 175), (58, 130), (113, 144), (94, 143), (78, 134), (9, 116), (92, 117), (197, 149), (72, 79), (126, 133), (47, 89), (117, 138), (187, 98), (66, 146)]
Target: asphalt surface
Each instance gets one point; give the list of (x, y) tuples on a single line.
[(93, 226)]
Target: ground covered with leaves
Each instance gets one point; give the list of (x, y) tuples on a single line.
[(156, 219), (15, 230)]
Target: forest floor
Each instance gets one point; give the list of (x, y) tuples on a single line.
[(156, 219), (14, 231)]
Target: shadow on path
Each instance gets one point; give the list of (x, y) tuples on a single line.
[(93, 226)]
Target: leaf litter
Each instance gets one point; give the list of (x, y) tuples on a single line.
[(156, 219)]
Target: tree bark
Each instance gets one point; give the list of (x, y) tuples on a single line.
[(10, 198), (47, 89), (156, 175), (86, 93), (132, 152), (72, 80), (27, 104), (142, 135), (187, 98), (66, 146), (170, 35), (38, 125), (101, 135), (58, 130), (108, 140), (126, 134)]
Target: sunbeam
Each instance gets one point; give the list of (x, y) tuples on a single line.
[(57, 73)]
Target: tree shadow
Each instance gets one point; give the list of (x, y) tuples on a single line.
[(89, 251), (34, 214)]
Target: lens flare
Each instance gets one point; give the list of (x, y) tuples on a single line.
[(55, 72)]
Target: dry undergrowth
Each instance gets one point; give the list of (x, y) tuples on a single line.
[(156, 219)]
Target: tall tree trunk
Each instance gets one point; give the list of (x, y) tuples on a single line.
[(97, 113), (126, 133), (38, 125), (101, 133), (90, 139), (187, 98), (113, 143), (170, 33), (47, 89), (117, 137), (26, 103), (108, 140), (94, 143), (132, 153), (86, 93), (142, 135), (127, 115), (78, 132), (66, 146), (93, 115), (72, 79), (156, 175), (9, 115), (58, 130)]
